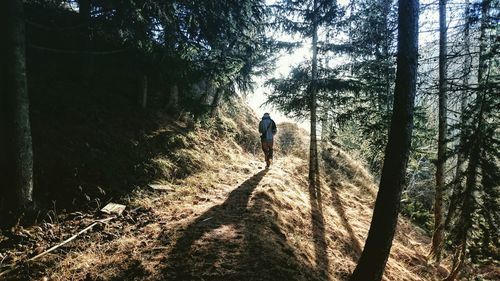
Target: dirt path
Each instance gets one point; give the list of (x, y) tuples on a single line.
[(219, 224), (238, 239), (234, 221)]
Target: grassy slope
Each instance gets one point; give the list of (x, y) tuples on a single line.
[(226, 220)]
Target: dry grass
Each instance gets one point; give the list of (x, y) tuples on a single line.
[(231, 220), (291, 140)]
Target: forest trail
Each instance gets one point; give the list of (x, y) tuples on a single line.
[(224, 217), (238, 221), (238, 238)]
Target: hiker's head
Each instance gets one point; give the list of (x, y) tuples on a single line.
[(266, 115)]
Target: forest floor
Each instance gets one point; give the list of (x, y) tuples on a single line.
[(222, 217), (232, 221)]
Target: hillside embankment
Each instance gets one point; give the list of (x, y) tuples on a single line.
[(222, 217)]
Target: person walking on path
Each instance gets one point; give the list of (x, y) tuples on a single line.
[(267, 130)]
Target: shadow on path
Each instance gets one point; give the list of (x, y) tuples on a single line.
[(318, 229), (334, 168), (236, 241), (339, 208)]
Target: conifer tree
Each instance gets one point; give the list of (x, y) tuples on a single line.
[(456, 184), (19, 181), (437, 238), (374, 257), (473, 234), (371, 49), (312, 15)]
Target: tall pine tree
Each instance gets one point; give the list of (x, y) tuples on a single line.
[(19, 152), (378, 244)]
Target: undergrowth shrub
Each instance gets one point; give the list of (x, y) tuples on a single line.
[(290, 140), (239, 120)]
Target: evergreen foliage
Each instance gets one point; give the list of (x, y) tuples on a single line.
[(177, 42), (178, 57)]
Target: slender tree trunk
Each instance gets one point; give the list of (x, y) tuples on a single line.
[(85, 11), (324, 127), (173, 98), (485, 10), (437, 237), (457, 181), (3, 105), (19, 181), (386, 8), (468, 206), (385, 215), (350, 28), (144, 92), (313, 148), (458, 262), (215, 102)]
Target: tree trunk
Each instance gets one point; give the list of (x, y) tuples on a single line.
[(85, 11), (144, 92), (458, 262), (468, 206), (19, 181), (437, 237), (3, 101), (386, 56), (385, 215), (351, 27), (457, 181), (216, 102), (485, 9), (313, 146), (173, 99), (325, 132)]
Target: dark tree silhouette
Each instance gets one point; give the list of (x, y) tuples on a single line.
[(378, 244), (18, 150), (437, 237)]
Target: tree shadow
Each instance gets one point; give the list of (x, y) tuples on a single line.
[(236, 240), (181, 265), (130, 270), (339, 208), (335, 168), (318, 229)]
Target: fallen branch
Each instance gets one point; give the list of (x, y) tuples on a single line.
[(12, 267)]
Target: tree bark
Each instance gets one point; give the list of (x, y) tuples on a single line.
[(324, 136), (374, 257), (386, 56), (457, 181), (85, 11), (458, 262), (144, 92), (468, 205), (469, 202), (19, 180), (485, 9), (216, 102), (173, 98), (3, 106), (437, 237), (313, 146)]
